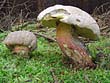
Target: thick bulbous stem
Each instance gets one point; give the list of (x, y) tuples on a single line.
[(72, 47)]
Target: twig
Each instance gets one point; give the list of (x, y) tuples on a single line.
[(1, 30), (102, 9), (87, 79), (54, 76), (48, 38), (12, 8), (103, 28), (2, 4)]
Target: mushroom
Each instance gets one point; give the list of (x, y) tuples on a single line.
[(71, 22), (21, 42)]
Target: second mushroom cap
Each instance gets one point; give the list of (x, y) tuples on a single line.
[(22, 38)]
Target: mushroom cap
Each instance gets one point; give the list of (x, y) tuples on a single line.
[(83, 23), (23, 38)]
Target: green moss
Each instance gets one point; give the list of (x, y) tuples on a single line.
[(46, 57)]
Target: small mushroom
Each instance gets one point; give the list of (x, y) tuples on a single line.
[(71, 22), (21, 42)]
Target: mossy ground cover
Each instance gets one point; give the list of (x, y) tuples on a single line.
[(47, 57)]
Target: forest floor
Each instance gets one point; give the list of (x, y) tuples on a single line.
[(45, 64)]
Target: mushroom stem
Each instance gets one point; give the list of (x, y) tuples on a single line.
[(22, 50), (72, 47)]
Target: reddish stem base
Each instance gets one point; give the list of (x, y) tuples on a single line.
[(72, 48)]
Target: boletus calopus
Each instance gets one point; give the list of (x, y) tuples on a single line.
[(21, 42), (71, 22)]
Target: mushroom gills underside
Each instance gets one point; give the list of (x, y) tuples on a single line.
[(72, 47), (85, 32)]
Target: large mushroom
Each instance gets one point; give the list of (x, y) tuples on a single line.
[(71, 22), (21, 42)]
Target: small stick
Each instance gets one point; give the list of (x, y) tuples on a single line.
[(87, 78), (54, 76), (49, 38), (1, 6)]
